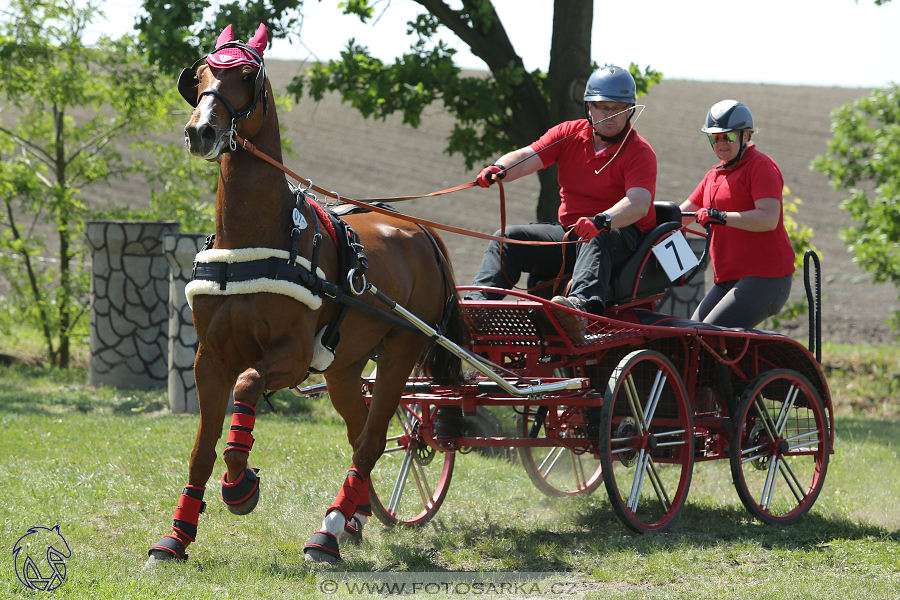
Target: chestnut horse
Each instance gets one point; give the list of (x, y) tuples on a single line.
[(264, 340)]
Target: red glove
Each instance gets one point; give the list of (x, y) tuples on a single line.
[(711, 216), (585, 228), (490, 174)]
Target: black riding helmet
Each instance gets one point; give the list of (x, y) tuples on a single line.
[(611, 84), (729, 115)]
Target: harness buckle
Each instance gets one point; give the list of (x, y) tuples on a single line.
[(351, 277), (231, 141)]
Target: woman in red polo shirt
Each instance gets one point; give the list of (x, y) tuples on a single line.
[(752, 257)]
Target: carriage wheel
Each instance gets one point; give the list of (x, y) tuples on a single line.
[(646, 441), (410, 480), (557, 471), (779, 446)]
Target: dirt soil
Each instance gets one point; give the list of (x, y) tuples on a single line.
[(341, 151)]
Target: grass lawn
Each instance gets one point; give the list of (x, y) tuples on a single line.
[(108, 466)]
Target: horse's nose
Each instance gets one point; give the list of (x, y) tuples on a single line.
[(199, 137)]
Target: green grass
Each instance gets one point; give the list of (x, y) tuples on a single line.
[(108, 466)]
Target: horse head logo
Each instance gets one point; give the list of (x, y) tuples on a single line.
[(40, 557)]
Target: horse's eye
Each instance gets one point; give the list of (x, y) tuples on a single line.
[(248, 77)]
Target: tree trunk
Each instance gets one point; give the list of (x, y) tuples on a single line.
[(62, 223), (570, 58), (548, 200), (570, 66)]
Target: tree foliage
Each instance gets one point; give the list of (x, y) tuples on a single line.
[(509, 108), (65, 104), (863, 158)]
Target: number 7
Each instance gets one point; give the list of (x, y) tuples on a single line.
[(675, 252)]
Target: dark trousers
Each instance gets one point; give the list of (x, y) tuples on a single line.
[(744, 302), (591, 264)]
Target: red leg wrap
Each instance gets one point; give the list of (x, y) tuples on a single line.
[(190, 505), (242, 421), (354, 492)]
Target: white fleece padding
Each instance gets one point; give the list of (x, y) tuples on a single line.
[(322, 356), (334, 523), (253, 286)]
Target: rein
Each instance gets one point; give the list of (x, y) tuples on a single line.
[(251, 148)]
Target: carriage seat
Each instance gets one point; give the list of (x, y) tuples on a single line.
[(653, 279)]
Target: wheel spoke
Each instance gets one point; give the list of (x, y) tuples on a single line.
[(634, 403), (638, 481), (659, 487), (425, 491), (771, 477), (554, 454), (786, 408), (400, 483), (577, 470), (653, 400), (793, 482), (765, 417)]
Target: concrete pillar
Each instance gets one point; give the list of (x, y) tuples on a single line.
[(180, 250), (129, 303)]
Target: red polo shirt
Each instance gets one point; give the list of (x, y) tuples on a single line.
[(593, 182), (737, 253)]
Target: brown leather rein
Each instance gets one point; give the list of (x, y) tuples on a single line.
[(249, 147)]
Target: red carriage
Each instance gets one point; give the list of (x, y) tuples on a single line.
[(635, 405)]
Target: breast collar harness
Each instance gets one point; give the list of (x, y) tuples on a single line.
[(215, 275)]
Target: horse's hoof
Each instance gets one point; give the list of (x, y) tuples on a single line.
[(242, 496), (352, 533), (157, 557), (322, 547)]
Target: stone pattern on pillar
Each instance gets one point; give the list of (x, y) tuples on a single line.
[(682, 301), (180, 251), (129, 303)]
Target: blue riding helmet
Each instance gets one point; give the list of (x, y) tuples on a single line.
[(612, 84)]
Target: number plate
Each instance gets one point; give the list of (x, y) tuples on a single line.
[(675, 255)]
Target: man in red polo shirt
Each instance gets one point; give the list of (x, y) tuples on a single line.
[(607, 178)]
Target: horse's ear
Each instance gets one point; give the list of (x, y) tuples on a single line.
[(188, 84), (260, 40), (226, 36)]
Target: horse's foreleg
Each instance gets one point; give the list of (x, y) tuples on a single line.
[(345, 518), (213, 387), (240, 485), (394, 367)]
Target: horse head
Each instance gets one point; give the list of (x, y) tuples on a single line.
[(226, 89)]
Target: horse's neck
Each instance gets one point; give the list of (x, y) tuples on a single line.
[(253, 202)]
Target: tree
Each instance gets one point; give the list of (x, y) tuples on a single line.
[(71, 102), (863, 158), (509, 108)]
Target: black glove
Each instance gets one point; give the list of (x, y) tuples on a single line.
[(711, 216)]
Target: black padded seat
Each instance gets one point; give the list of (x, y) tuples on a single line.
[(653, 279)]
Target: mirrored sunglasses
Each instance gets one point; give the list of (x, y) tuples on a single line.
[(729, 136)]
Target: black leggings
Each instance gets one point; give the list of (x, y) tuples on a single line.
[(744, 303)]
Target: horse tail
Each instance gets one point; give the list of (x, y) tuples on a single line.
[(444, 367)]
